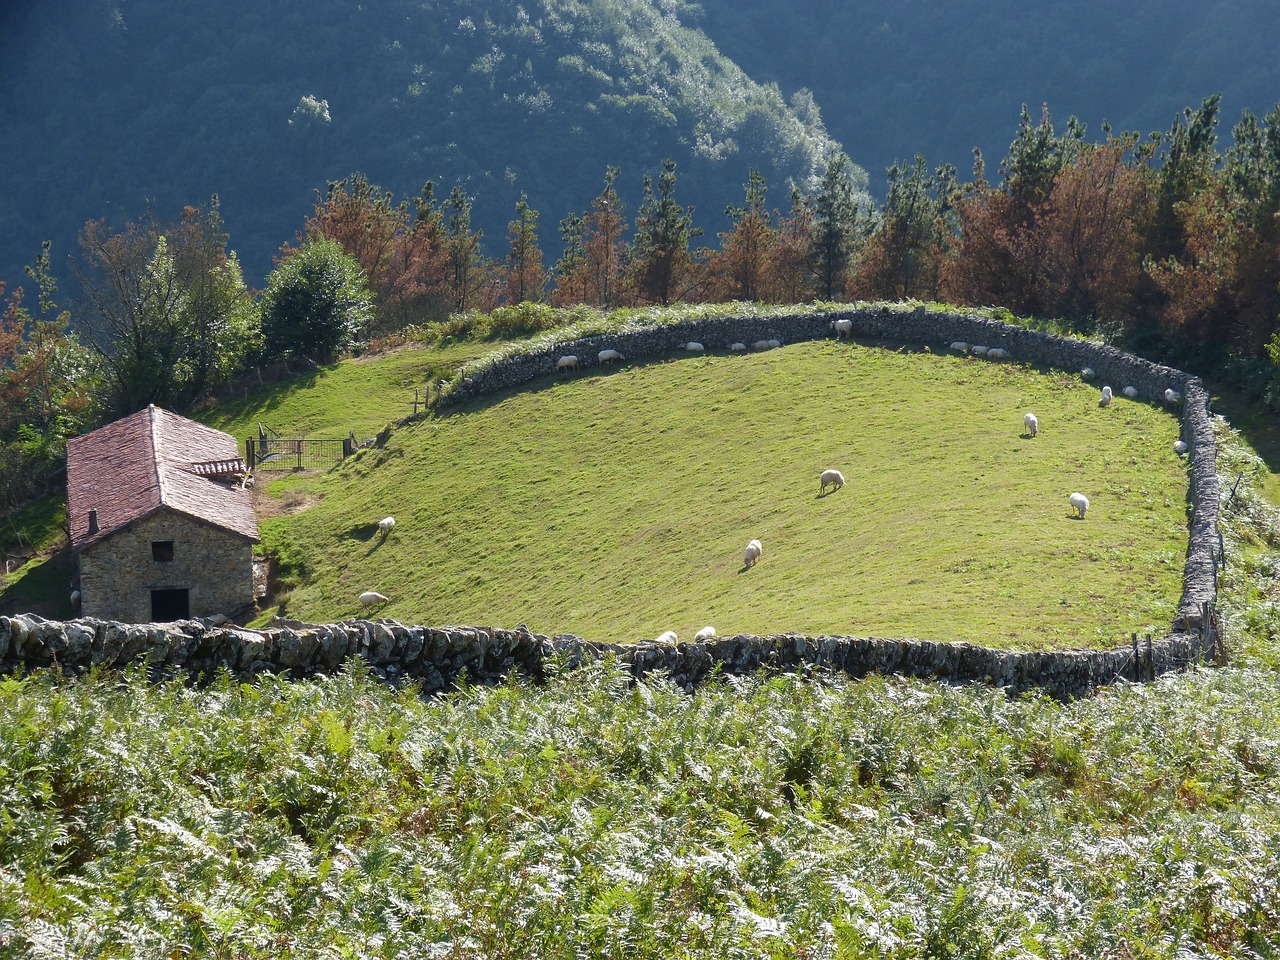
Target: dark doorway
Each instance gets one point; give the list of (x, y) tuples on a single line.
[(169, 605)]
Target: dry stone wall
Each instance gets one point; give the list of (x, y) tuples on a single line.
[(440, 657)]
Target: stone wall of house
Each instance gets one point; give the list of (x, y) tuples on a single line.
[(117, 574), (440, 657)]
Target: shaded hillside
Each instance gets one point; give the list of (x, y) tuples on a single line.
[(938, 77), (115, 105)]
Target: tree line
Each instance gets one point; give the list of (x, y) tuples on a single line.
[(1164, 245)]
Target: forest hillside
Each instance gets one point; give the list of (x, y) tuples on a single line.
[(115, 106), (899, 77)]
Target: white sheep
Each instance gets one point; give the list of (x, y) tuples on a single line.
[(385, 525), (668, 636), (609, 356), (980, 350), (706, 633), (842, 328), (1180, 447), (371, 598), (833, 478), (567, 362), (1105, 400), (1130, 392), (997, 353), (693, 346), (1171, 395), (959, 346), (75, 598), (737, 347), (754, 549), (766, 345), (1032, 424), (1079, 504), (1087, 373)]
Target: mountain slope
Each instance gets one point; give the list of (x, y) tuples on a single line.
[(115, 105), (938, 77)]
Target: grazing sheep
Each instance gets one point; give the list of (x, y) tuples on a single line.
[(706, 633), (567, 362), (667, 637), (1079, 504), (737, 347), (1180, 447), (1172, 396), (842, 328), (385, 525), (960, 346), (1087, 373), (753, 553), (1130, 392), (766, 345), (693, 346), (609, 356), (832, 478), (1105, 400), (1032, 424), (371, 598), (980, 350), (997, 353)]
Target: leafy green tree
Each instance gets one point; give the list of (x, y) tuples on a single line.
[(169, 314), (48, 388), (661, 266), (838, 227), (316, 304)]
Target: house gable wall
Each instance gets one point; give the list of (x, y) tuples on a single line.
[(118, 574)]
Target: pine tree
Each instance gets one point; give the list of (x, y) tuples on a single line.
[(661, 265)]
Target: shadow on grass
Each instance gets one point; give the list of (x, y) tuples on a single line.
[(549, 380), (1260, 427), (42, 587)]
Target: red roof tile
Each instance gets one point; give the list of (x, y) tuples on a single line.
[(129, 469)]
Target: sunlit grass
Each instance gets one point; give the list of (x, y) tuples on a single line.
[(617, 506)]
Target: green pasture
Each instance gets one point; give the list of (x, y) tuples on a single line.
[(360, 395), (617, 506)]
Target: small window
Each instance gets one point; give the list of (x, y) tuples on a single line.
[(162, 550)]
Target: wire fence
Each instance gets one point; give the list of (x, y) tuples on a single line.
[(285, 453)]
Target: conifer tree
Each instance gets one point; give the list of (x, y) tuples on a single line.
[(524, 278), (739, 269), (661, 265), (466, 265), (837, 228)]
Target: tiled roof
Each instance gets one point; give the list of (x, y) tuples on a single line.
[(129, 469)]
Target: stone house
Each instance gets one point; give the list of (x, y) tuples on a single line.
[(160, 523)]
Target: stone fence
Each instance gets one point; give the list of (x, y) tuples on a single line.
[(439, 657)]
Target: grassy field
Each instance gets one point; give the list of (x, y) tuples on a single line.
[(618, 506), (360, 395)]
